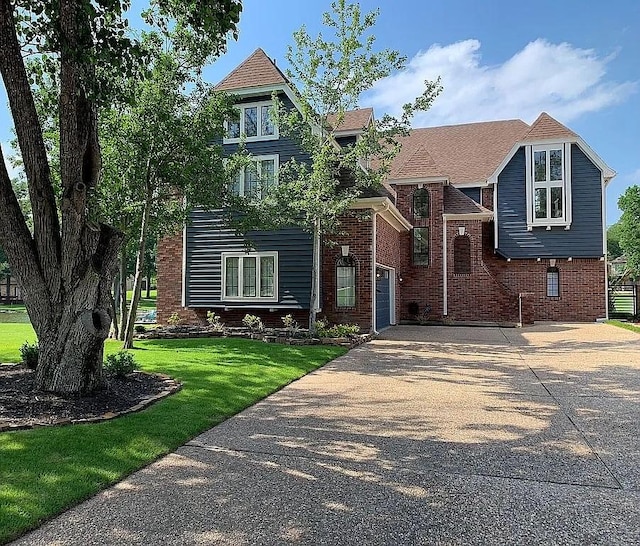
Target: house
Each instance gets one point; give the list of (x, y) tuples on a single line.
[(495, 221)]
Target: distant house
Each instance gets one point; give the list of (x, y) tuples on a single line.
[(10, 291), (495, 221)]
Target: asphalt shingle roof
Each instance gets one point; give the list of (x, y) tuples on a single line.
[(456, 202)]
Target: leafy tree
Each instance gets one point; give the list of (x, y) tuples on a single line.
[(159, 147), (66, 265), (614, 250), (629, 204), (332, 71)]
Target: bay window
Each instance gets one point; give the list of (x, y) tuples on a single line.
[(250, 276)]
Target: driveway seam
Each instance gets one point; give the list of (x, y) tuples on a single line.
[(428, 468)]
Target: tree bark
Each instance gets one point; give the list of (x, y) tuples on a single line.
[(148, 286), (137, 283), (123, 292), (66, 268)]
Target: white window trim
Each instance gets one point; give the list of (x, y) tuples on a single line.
[(257, 255), (259, 137), (258, 159), (566, 218)]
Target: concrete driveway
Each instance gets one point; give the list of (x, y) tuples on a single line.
[(429, 435)]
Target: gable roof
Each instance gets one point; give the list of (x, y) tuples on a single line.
[(353, 120), (456, 202), (461, 153), (545, 127), (257, 70)]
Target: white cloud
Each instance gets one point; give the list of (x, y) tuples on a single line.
[(560, 79), (7, 152)]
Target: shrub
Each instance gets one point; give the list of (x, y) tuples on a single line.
[(414, 308), (290, 324), (174, 320), (120, 364), (321, 328), (29, 353), (343, 330), (139, 328), (253, 322), (215, 321)]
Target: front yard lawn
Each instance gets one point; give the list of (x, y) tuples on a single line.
[(46, 470), (625, 325)]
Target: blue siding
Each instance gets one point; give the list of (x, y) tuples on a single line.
[(582, 240), (208, 237), (474, 193)]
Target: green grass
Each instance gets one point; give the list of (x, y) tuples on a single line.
[(44, 471), (625, 325), (145, 304)]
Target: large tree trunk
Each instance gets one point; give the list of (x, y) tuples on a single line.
[(137, 283), (65, 268)]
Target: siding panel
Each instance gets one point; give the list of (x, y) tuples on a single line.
[(208, 237), (582, 240)]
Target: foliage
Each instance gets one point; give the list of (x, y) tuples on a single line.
[(215, 321), (140, 328), (625, 325), (174, 319), (253, 322), (76, 57), (614, 250), (332, 71), (337, 330), (629, 204), (29, 354), (35, 486), (291, 324), (120, 364)]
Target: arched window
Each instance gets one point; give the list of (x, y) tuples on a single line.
[(462, 255), (421, 204), (346, 282), (553, 282)]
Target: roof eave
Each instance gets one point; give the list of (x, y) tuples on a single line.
[(386, 209)]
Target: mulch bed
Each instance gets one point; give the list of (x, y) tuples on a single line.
[(22, 407)]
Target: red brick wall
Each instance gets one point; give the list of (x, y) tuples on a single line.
[(357, 232), (170, 281), (477, 296), (390, 250), (582, 286), (421, 284)]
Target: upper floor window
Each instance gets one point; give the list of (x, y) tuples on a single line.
[(421, 246), (250, 276), (549, 185), (421, 203), (257, 177), (253, 122)]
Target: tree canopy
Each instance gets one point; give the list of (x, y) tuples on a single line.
[(629, 204)]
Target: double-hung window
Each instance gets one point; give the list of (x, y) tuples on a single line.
[(256, 178), (346, 282), (250, 276), (252, 122), (549, 185)]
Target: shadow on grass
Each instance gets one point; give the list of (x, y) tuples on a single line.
[(44, 471)]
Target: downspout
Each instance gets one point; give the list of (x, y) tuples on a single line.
[(374, 326), (318, 263), (605, 247), (520, 308), (445, 294)]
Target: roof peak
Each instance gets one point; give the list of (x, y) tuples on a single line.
[(257, 70), (546, 127)]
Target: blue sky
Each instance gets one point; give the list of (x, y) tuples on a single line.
[(577, 60)]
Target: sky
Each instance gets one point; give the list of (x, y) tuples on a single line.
[(579, 61)]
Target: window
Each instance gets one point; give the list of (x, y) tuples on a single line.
[(346, 282), (548, 185), (461, 255), (553, 282), (250, 276), (256, 178), (421, 246), (421, 204), (253, 121)]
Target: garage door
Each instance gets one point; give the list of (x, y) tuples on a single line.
[(383, 299)]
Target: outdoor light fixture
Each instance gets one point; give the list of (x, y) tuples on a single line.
[(461, 230), (345, 250), (400, 279), (552, 262)]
